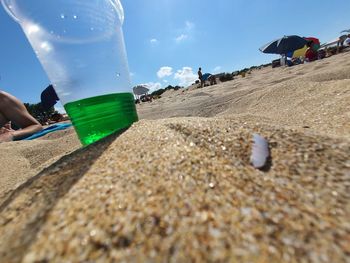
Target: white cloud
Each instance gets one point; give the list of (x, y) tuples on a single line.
[(154, 41), (186, 32), (165, 81), (189, 25), (185, 76), (181, 38), (152, 86), (217, 69), (164, 72)]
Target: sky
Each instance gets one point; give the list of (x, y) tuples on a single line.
[(167, 40)]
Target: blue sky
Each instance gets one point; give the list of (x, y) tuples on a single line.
[(167, 40)]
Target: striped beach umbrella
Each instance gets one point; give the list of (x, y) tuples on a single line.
[(284, 45), (301, 52)]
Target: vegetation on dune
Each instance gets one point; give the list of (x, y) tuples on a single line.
[(161, 91), (226, 77), (39, 113)]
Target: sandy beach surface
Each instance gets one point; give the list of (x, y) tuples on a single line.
[(178, 185)]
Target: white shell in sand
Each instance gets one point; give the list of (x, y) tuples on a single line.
[(260, 151)]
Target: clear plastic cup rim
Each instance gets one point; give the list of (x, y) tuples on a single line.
[(116, 3)]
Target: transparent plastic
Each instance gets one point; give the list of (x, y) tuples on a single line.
[(80, 45)]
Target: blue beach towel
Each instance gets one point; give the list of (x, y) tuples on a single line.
[(52, 128)]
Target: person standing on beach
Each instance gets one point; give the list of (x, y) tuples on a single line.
[(200, 76), (13, 110)]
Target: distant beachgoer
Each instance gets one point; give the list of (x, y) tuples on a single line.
[(347, 41), (289, 62), (200, 76), (13, 110), (310, 54), (322, 53), (212, 79), (340, 43)]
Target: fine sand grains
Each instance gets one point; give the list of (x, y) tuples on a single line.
[(21, 160), (182, 190)]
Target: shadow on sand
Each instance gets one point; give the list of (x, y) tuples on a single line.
[(37, 197)]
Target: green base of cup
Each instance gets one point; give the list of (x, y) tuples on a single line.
[(97, 117)]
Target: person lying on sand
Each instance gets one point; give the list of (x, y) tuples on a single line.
[(13, 110)]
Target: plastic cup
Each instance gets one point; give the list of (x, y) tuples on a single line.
[(81, 47)]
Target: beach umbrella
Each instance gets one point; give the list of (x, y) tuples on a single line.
[(316, 41), (206, 76), (298, 53), (301, 52), (284, 45), (140, 90), (313, 39)]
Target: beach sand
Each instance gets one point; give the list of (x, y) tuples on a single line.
[(178, 185), (19, 161)]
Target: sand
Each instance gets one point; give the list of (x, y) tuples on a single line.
[(23, 159), (316, 95), (178, 185)]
